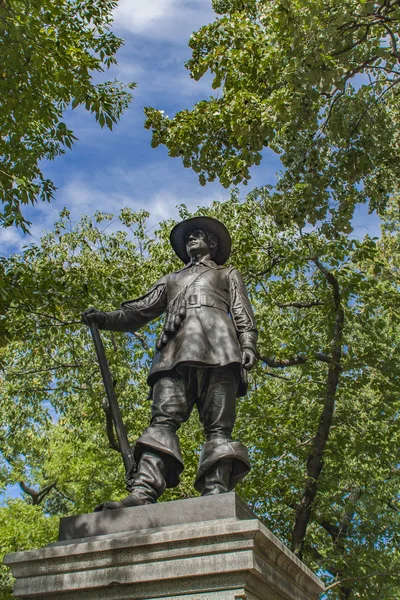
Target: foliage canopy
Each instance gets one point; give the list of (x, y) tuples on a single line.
[(49, 52), (318, 83), (322, 416)]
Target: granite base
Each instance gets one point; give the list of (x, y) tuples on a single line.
[(232, 557)]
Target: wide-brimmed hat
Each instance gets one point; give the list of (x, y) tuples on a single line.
[(180, 234)]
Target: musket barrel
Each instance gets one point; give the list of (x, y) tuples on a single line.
[(111, 397)]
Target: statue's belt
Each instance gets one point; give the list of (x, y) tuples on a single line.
[(199, 299)]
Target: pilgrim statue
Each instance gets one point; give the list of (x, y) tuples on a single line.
[(202, 357)]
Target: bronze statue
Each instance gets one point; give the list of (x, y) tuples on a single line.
[(208, 344)]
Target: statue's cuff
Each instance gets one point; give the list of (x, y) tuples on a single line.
[(248, 340)]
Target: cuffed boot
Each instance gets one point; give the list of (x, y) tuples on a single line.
[(226, 461), (148, 486), (217, 479), (150, 478)]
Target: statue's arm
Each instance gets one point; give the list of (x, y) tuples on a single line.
[(242, 313), (135, 313)]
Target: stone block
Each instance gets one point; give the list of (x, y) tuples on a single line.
[(152, 516), (226, 558)]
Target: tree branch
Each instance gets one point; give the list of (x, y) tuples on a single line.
[(37, 497), (377, 574), (275, 260), (64, 495), (300, 304), (114, 342), (339, 532), (298, 359), (392, 38), (322, 357), (276, 376), (34, 371), (353, 44), (389, 87), (278, 460), (141, 339), (52, 317)]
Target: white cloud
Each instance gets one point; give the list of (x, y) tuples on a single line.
[(83, 198), (140, 16), (173, 81), (11, 240), (168, 20), (155, 187), (163, 205)]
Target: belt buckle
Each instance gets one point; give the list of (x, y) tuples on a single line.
[(194, 301)]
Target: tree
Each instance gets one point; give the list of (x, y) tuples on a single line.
[(327, 448), (318, 83), (322, 416), (22, 527), (49, 52)]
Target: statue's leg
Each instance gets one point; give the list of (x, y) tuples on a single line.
[(223, 462), (217, 400), (157, 451), (171, 407)]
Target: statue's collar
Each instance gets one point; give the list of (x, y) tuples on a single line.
[(207, 263)]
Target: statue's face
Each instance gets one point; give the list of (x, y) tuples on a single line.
[(198, 243)]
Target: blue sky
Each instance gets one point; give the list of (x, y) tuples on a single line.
[(109, 170)]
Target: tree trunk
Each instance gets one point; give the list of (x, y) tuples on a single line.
[(315, 459)]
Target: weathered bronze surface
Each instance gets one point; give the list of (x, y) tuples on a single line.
[(207, 346)]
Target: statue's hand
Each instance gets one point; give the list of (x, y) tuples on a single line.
[(93, 315), (249, 359)]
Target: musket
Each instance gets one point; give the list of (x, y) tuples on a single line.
[(125, 448)]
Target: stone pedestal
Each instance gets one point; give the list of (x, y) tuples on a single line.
[(210, 548)]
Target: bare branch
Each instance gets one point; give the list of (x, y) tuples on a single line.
[(30, 491), (46, 316), (33, 371), (267, 270), (336, 98), (339, 532), (322, 357), (280, 458), (329, 527), (276, 376), (46, 490), (367, 62), (37, 497), (300, 304), (64, 495), (114, 342), (331, 279), (392, 38), (298, 359)]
